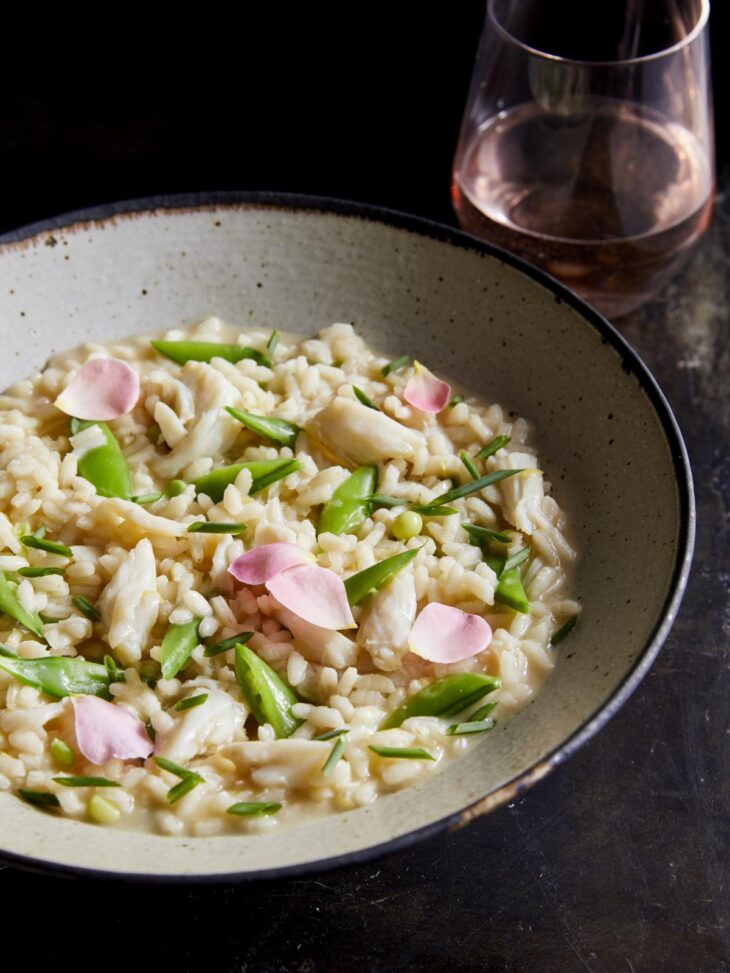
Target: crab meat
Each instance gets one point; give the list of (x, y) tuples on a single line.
[(387, 622), (198, 730), (130, 602), (322, 645), (358, 435)]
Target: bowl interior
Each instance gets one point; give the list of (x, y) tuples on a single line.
[(604, 440)]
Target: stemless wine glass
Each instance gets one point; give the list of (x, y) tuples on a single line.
[(586, 144)]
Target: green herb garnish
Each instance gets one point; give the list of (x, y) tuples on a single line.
[(402, 753), (361, 397), (191, 702), (226, 644), (250, 808), (338, 748), (395, 365), (41, 544), (492, 446), (470, 468), (86, 608), (564, 630), (40, 572), (466, 489), (211, 527), (39, 798), (86, 782), (278, 430)]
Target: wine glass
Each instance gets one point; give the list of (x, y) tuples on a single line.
[(586, 145)]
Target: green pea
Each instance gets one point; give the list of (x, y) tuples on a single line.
[(349, 505), (104, 467), (62, 752), (60, 676), (263, 473), (175, 488), (278, 430), (359, 586), (177, 646), (406, 525), (10, 605), (102, 811), (444, 697), (268, 696), (184, 351)]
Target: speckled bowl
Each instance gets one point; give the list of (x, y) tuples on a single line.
[(606, 435)]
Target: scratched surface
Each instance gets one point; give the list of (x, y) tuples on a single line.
[(618, 862)]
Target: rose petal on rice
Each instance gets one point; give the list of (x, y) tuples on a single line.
[(315, 594), (105, 731), (426, 392), (445, 634), (260, 564), (103, 388)]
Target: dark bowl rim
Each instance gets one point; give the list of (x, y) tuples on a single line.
[(630, 362)]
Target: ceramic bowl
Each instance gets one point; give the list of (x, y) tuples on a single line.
[(478, 316)]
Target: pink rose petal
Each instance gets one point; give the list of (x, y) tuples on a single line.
[(261, 563), (445, 634), (426, 392), (103, 388), (104, 731), (315, 594)]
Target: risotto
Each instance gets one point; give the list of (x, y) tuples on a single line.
[(247, 578)]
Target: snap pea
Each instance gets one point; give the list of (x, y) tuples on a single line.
[(509, 590), (104, 467), (349, 505), (249, 808), (115, 673), (466, 489), (401, 753), (564, 630), (359, 586), (7, 653), (39, 798), (470, 468), (86, 782), (481, 534), (263, 474), (444, 697), (395, 365), (41, 544), (492, 446), (268, 696), (60, 676), (227, 644), (279, 430), (175, 488), (177, 645), (364, 399), (184, 351), (10, 605)]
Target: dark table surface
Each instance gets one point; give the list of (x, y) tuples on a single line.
[(619, 860)]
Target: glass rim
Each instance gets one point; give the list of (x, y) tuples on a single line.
[(699, 26)]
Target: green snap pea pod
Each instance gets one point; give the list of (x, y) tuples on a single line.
[(359, 585), (184, 351), (263, 474), (10, 605), (7, 653), (59, 676), (278, 430), (444, 697), (349, 505), (492, 446), (268, 696), (509, 590), (474, 486), (177, 645), (104, 467)]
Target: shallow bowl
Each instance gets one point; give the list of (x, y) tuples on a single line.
[(475, 314)]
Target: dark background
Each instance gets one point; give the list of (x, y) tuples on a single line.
[(619, 860)]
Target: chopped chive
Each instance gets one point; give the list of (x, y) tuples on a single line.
[(455, 400), (210, 527), (358, 586), (86, 608), (378, 500), (486, 534), (472, 726), (470, 468), (86, 782), (114, 672), (395, 365), (271, 345), (153, 433), (226, 644), (191, 702), (518, 558), (338, 748), (145, 498), (175, 488), (182, 772), (41, 544), (361, 397), (39, 798), (331, 734), (404, 753), (466, 489), (564, 630), (249, 808), (183, 788), (492, 446), (151, 731), (62, 752), (40, 572), (432, 510)]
